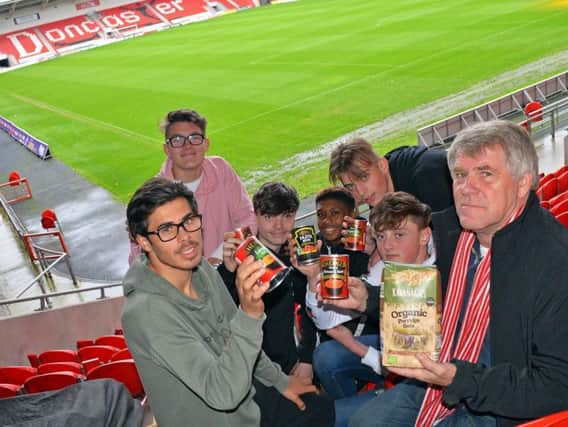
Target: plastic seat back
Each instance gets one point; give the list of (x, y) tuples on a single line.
[(57, 355), (121, 355), (548, 190), (123, 371), (558, 419), (559, 198), (563, 218), (559, 207), (51, 381), (8, 390), (60, 366), (117, 341), (102, 352), (16, 374)]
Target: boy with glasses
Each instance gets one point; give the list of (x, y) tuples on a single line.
[(217, 188), (197, 353)]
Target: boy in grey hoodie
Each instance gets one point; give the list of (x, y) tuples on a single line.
[(196, 352)]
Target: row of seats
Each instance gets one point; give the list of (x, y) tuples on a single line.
[(553, 193), (103, 357)]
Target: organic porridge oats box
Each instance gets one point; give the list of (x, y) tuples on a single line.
[(411, 313)]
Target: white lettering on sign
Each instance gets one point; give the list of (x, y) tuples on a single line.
[(168, 8), (23, 36)]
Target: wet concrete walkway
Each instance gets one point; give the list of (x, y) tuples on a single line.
[(92, 220)]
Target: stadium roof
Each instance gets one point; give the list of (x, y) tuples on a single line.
[(10, 6)]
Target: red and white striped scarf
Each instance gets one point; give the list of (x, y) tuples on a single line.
[(474, 324)]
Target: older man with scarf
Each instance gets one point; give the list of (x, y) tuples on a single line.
[(504, 356)]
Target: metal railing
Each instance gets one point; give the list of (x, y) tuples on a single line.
[(44, 299), (507, 107)]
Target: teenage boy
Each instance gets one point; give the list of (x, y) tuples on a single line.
[(197, 353), (275, 207), (416, 170), (220, 194), (400, 224)]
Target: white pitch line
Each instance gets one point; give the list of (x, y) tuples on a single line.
[(84, 119)]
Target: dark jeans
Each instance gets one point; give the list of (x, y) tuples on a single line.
[(399, 407), (277, 411), (338, 368)]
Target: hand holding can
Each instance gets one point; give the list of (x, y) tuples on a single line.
[(307, 252), (275, 271), (355, 235), (334, 276)]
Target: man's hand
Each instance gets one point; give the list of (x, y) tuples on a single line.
[(230, 243), (435, 373), (357, 299), (250, 291), (296, 387), (303, 370)]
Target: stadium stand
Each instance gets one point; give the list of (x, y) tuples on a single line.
[(69, 31)]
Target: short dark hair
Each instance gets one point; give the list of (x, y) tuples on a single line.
[(395, 207), (348, 158), (337, 193), (183, 115), (151, 195), (275, 198)]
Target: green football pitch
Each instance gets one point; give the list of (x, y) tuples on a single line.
[(273, 82)]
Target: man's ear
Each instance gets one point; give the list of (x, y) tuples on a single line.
[(524, 185), (425, 235), (144, 243)]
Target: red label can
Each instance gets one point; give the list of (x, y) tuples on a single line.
[(243, 232), (334, 276), (275, 270), (307, 244), (355, 238)]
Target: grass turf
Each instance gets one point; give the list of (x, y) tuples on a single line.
[(273, 81)]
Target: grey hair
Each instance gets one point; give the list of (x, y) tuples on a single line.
[(515, 141)]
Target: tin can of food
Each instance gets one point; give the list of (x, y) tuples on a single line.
[(275, 270), (334, 276), (306, 244), (355, 237), (243, 232)]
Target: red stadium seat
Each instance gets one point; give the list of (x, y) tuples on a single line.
[(51, 381), (123, 371), (558, 419), (559, 198), (84, 343), (121, 355), (545, 179), (118, 331), (560, 207), (117, 341), (560, 170), (102, 352), (548, 190), (563, 182), (16, 374), (563, 218), (545, 204), (61, 366), (55, 355), (8, 390), (33, 359)]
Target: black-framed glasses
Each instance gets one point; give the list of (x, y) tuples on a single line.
[(169, 231), (178, 141)]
